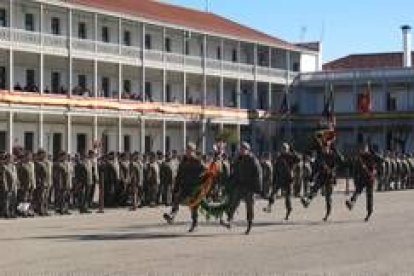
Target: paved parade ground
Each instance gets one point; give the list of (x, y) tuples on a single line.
[(122, 242)]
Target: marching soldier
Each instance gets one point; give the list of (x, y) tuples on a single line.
[(247, 180), (283, 170), (136, 181), (189, 173), (27, 180), (111, 179), (152, 180), (307, 173), (62, 182), (267, 170), (43, 182), (367, 163), (8, 186), (326, 164), (83, 175), (125, 178), (168, 173)]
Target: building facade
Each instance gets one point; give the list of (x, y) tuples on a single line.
[(137, 75)]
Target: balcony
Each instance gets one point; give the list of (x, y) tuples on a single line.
[(26, 40)]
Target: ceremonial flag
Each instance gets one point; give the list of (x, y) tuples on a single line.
[(328, 112), (284, 107), (364, 100)]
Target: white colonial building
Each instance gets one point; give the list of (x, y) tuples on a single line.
[(137, 75)]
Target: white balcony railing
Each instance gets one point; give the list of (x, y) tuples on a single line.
[(193, 61), (174, 58), (4, 34), (214, 64), (26, 37), (230, 66), (108, 48), (131, 52), (154, 55), (54, 41), (246, 68), (83, 45)]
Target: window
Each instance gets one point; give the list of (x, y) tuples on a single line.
[(30, 77), (148, 91), (105, 143), (127, 143), (3, 18), (234, 55), (168, 93), (296, 67), (168, 44), (81, 143), (82, 81), (105, 86), (127, 86), (82, 34), (127, 38), (28, 141), (2, 141), (187, 47), (29, 22), (219, 53), (55, 82), (3, 77), (148, 41), (57, 144), (391, 102), (148, 143), (168, 144), (55, 26), (105, 34)]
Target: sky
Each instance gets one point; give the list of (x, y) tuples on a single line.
[(344, 27)]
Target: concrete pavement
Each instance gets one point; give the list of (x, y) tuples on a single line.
[(133, 243)]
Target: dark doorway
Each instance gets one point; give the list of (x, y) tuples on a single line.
[(81, 143), (57, 144)]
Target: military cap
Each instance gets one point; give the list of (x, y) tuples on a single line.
[(245, 145), (191, 146)]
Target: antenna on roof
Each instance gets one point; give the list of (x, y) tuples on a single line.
[(303, 31), (207, 5), (321, 39)]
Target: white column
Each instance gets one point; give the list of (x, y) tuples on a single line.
[(69, 133), (269, 97), (11, 69), (41, 130), (184, 134), (95, 25), (70, 65), (95, 128), (10, 131), (221, 103), (204, 101), (255, 88), (238, 93), (95, 78), (120, 86), (164, 69), (185, 88), (142, 126), (119, 136), (41, 56), (120, 35), (203, 137), (164, 136), (143, 63)]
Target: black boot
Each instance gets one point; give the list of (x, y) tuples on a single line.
[(349, 204), (193, 226), (288, 212), (249, 227), (169, 218), (368, 217), (305, 202)]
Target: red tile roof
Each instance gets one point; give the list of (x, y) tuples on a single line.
[(198, 20), (366, 61)]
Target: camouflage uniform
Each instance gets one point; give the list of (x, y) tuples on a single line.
[(62, 181), (136, 181)]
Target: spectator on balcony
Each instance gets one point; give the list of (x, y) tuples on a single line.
[(86, 92), (77, 90), (31, 88), (190, 100), (46, 90), (18, 87), (63, 90)]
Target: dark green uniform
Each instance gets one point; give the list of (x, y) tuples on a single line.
[(367, 164), (325, 165), (137, 175), (62, 181), (168, 173)]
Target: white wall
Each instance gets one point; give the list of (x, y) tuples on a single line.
[(308, 62)]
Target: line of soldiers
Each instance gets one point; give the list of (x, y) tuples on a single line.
[(30, 183)]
